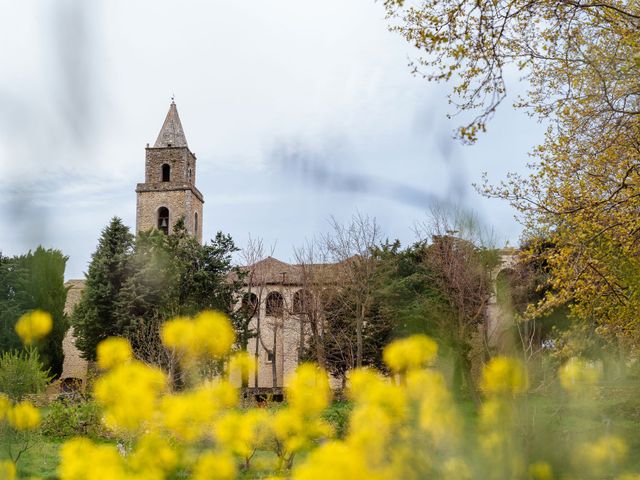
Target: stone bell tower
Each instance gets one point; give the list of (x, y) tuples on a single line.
[(169, 189)]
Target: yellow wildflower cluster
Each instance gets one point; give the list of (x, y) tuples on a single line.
[(577, 373), (7, 470), (602, 456), (410, 353), (504, 376), (22, 416), (129, 394), (300, 424), (33, 326), (401, 426), (112, 352), (388, 419), (209, 333)]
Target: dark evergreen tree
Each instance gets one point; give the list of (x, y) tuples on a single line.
[(12, 302), (94, 317), (171, 275)]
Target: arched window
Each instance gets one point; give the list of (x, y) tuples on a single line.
[(189, 178), (163, 219), (302, 301), (275, 304), (249, 304), (195, 224), (166, 172)]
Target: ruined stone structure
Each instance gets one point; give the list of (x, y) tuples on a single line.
[(169, 190), (74, 367)]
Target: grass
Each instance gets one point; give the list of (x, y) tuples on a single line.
[(41, 460)]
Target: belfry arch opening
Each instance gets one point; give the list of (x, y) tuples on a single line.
[(163, 220), (166, 172)]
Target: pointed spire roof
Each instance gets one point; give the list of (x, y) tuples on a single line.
[(171, 133)]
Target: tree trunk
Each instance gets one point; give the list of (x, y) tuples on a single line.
[(359, 326), (256, 354), (274, 366)]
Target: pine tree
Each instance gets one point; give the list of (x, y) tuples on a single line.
[(94, 317)]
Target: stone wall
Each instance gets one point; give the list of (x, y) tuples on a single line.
[(179, 200), (180, 159), (74, 366)]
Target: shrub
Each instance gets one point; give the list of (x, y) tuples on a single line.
[(338, 416), (65, 419), (22, 373)]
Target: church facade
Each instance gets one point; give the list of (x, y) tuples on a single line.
[(278, 295), (169, 193)]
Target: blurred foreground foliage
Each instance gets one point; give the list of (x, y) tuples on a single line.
[(405, 424)]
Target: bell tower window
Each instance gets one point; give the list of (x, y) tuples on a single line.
[(163, 220), (166, 172), (195, 223)]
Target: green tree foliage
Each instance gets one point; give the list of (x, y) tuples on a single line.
[(94, 317), (141, 283), (406, 291), (439, 287), (581, 61), (171, 275), (22, 373), (29, 282)]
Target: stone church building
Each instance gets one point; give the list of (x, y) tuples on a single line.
[(279, 295), (275, 292)]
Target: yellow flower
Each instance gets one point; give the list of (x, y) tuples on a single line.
[(242, 365), (599, 458), (7, 470), (335, 460), (215, 466), (540, 471), (113, 351), (81, 459), (504, 376), (578, 373), (5, 406), (367, 386), (437, 414), (129, 394), (456, 469), (153, 456), (308, 389), (24, 416), (179, 334), (209, 333), (410, 353), (370, 428), (34, 325), (215, 333), (242, 433), (190, 415), (297, 431)]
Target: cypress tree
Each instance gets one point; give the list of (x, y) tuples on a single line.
[(94, 316)]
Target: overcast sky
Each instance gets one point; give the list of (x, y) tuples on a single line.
[(296, 110)]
